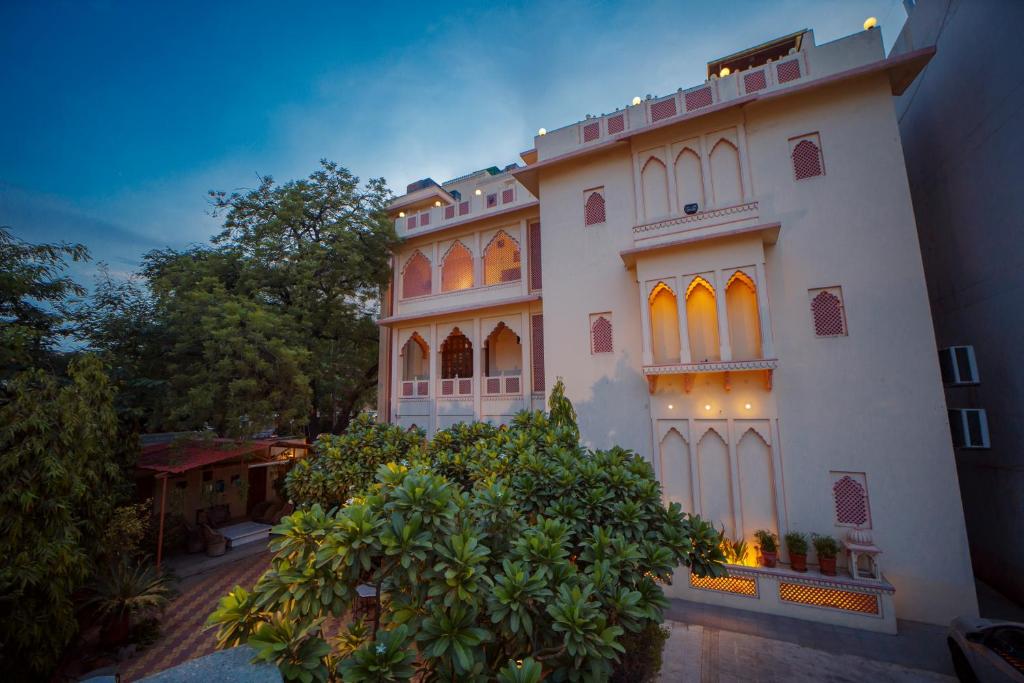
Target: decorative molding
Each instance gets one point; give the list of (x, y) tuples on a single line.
[(749, 207), (817, 580), (722, 366)]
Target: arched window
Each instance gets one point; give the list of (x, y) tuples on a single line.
[(601, 334), (689, 179), (593, 210), (702, 322), (415, 359), (501, 260), (456, 356), (827, 309), (851, 501), (503, 361), (457, 268), (416, 276), (744, 321), (807, 160), (654, 180), (664, 324), (725, 173)]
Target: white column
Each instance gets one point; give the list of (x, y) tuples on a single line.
[(705, 173), (478, 368), (685, 354), (741, 145), (673, 196), (524, 284), (526, 358), (478, 261), (734, 479), (723, 316), (645, 323), (435, 349), (763, 313), (396, 374)]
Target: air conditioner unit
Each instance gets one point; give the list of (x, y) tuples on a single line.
[(958, 365), (969, 427)]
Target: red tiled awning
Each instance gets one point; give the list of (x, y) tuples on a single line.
[(175, 458)]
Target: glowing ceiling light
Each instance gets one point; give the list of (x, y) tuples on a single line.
[(636, 101), (707, 406), (870, 23), (542, 131), (401, 214), (747, 406), (724, 72), (479, 192)]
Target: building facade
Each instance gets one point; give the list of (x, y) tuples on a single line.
[(963, 154), (728, 280)]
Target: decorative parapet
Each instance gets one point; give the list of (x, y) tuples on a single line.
[(719, 366), (702, 219)]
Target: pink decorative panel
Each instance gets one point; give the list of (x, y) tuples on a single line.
[(507, 196), (422, 388), (591, 131), (851, 502), (410, 222), (463, 208), (416, 276), (828, 315), (511, 385), (807, 160), (449, 212), (407, 389), (493, 385), (537, 350), (601, 335), (534, 245), (593, 210), (447, 387), (616, 124), (465, 386), (663, 109), (754, 81), (424, 219), (492, 200), (697, 99), (788, 71)]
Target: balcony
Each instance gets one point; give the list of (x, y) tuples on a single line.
[(491, 202)]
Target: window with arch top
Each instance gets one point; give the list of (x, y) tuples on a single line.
[(501, 260), (415, 359), (744, 321), (416, 276), (702, 322), (664, 312), (457, 268), (456, 356)]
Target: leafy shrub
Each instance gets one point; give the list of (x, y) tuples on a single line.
[(768, 540), (641, 661), (493, 546), (825, 545), (796, 542)]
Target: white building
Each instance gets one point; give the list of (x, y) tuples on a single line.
[(729, 281)]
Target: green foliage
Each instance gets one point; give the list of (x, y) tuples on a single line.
[(641, 661), (345, 465), (769, 541), (486, 546), (735, 549), (825, 545), (796, 542), (129, 526), (59, 453), (125, 589)]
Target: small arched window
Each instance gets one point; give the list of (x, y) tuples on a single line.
[(827, 310), (807, 162), (457, 268), (601, 333), (851, 502), (702, 321), (416, 276), (744, 321), (501, 260), (593, 209), (664, 312), (456, 356), (415, 359)]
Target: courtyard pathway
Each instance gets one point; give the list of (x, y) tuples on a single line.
[(182, 636)]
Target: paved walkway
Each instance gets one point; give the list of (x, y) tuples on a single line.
[(720, 645), (182, 636)]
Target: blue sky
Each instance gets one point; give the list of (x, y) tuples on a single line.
[(119, 116)]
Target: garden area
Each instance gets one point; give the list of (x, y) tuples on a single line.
[(506, 553)]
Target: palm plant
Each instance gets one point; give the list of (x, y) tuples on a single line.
[(125, 591)]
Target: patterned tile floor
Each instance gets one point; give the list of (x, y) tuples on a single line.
[(182, 636)]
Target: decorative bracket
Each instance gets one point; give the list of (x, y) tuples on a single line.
[(727, 381), (768, 379), (652, 383), (688, 382)]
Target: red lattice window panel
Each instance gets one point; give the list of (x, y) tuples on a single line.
[(829, 320), (507, 196), (511, 385), (407, 388), (416, 276), (697, 99), (457, 269), (739, 585), (788, 71), (422, 388), (663, 109), (593, 210), (834, 598), (492, 200), (463, 208), (851, 502), (493, 385), (449, 212), (456, 357), (616, 124), (601, 335), (465, 387), (536, 279), (501, 260), (410, 222), (591, 131), (807, 160), (537, 351), (447, 387), (754, 81), (424, 219)]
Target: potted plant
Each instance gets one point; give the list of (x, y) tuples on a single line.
[(768, 543), (827, 548), (796, 543), (124, 591)]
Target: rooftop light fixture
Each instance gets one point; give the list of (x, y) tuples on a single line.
[(636, 101), (478, 192), (870, 23), (542, 131), (724, 72), (401, 214)]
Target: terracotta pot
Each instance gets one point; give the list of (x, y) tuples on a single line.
[(768, 559), (798, 562), (827, 565)]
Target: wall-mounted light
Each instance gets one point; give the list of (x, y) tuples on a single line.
[(870, 23), (478, 192), (670, 406), (542, 131), (636, 101), (747, 406), (707, 406), (724, 72), (437, 203), (401, 214)]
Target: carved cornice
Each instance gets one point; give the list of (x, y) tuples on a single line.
[(749, 207), (720, 366)]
